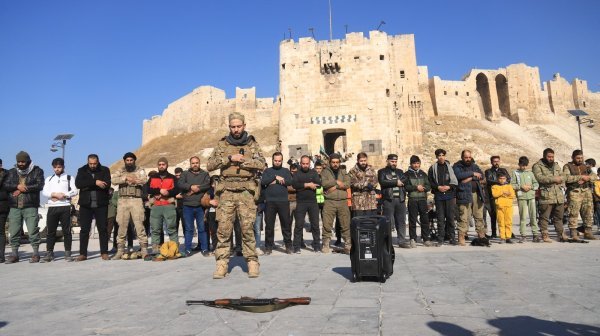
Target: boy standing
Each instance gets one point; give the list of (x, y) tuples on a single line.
[(524, 183), (504, 194)]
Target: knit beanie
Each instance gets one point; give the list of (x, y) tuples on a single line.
[(23, 156)]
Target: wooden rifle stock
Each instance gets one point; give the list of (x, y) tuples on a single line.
[(252, 304)]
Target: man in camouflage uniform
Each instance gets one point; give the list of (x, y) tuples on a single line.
[(363, 180), (549, 176), (335, 181), (579, 179), (239, 158), (131, 180)]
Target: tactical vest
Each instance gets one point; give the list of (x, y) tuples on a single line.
[(235, 170), (582, 170), (126, 190), (320, 196)]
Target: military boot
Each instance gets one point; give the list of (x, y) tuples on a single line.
[(574, 235), (545, 237), (461, 239), (588, 234), (563, 237), (48, 257), (253, 271), (536, 239), (326, 248), (221, 270), (144, 251), (347, 248), (119, 255)]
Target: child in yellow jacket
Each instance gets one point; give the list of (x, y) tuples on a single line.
[(504, 195)]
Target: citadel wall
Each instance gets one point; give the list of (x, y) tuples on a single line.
[(368, 94)]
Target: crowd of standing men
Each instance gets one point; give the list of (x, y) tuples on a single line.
[(146, 205)]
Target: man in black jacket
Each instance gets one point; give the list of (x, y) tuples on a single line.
[(417, 186), (443, 186), (193, 184), (93, 181), (491, 176), (469, 195), (392, 180), (306, 182), (24, 183), (275, 181), (3, 212)]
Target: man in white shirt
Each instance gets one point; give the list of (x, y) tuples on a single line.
[(59, 188)]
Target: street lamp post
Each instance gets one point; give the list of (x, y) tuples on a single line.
[(581, 118), (61, 142)]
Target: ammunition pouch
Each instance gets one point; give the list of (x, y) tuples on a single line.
[(252, 186)]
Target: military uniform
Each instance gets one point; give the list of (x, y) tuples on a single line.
[(579, 197), (336, 205), (552, 198), (130, 206), (363, 183), (236, 192)]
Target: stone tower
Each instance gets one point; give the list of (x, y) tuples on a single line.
[(352, 95)]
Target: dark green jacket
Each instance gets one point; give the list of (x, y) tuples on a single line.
[(329, 180), (416, 178)]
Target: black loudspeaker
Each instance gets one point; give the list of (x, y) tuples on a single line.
[(372, 254)]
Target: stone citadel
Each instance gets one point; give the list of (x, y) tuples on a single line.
[(370, 94)]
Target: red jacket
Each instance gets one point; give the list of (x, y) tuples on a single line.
[(169, 182)]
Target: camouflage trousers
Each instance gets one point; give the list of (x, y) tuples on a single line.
[(339, 209), (234, 204), (131, 209), (581, 203)]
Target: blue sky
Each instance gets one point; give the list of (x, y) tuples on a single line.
[(98, 68)]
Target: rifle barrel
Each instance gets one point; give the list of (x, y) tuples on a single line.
[(199, 302)]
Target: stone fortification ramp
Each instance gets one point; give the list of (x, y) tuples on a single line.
[(505, 138)]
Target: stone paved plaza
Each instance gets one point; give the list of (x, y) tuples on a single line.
[(520, 289)]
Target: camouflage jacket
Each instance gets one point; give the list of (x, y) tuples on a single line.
[(550, 192), (232, 173), (363, 185), (126, 189), (573, 173)]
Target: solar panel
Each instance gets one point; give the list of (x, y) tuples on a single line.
[(64, 137), (578, 113)]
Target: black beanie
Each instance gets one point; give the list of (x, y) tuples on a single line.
[(414, 159)]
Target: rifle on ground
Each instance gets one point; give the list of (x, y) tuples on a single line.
[(253, 305)]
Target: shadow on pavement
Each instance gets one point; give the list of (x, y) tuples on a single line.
[(521, 325), (3, 324), (346, 272), (238, 262)]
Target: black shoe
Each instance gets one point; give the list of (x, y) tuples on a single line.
[(494, 236), (297, 250), (197, 248), (268, 251), (48, 257), (453, 242), (508, 241), (338, 242), (206, 253), (289, 250), (188, 253)]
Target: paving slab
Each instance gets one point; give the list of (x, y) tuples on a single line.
[(519, 289)]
